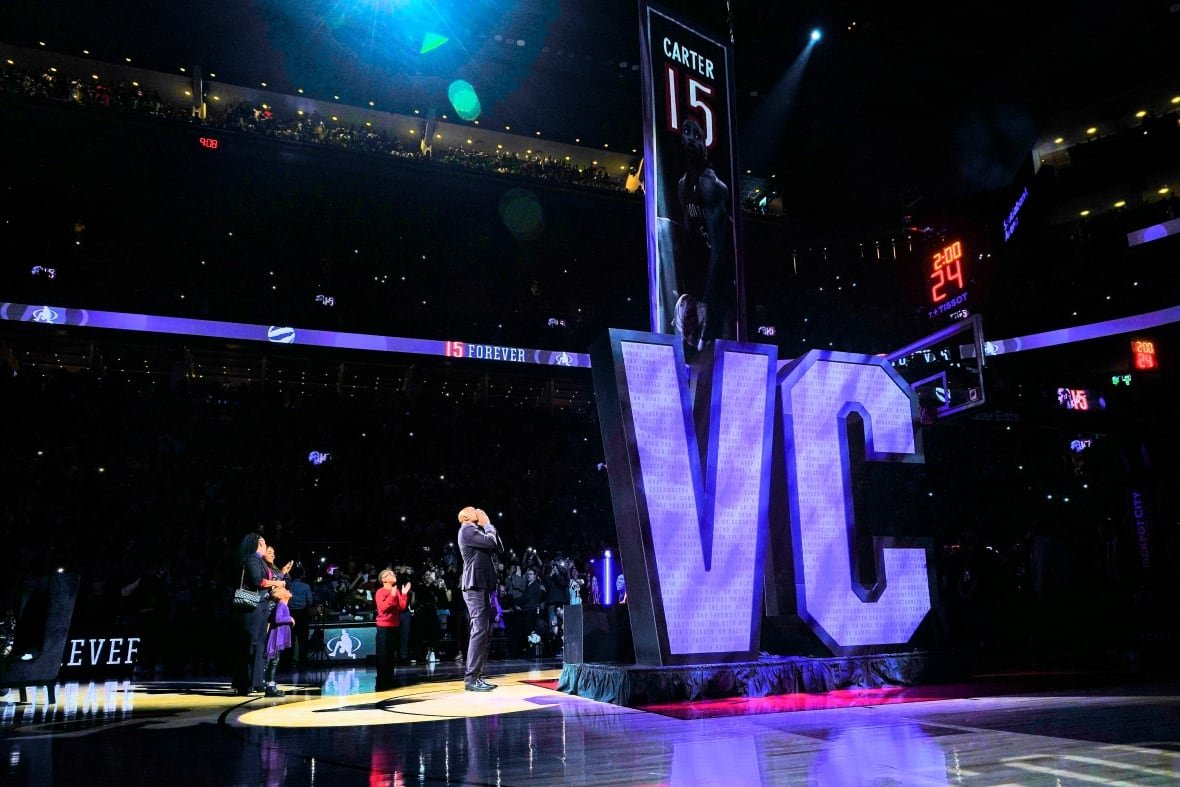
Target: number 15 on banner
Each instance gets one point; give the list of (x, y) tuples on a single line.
[(697, 93)]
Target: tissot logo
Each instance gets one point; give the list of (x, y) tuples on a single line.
[(690, 481)]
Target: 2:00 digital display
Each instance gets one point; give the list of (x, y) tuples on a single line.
[(946, 271), (1144, 352)]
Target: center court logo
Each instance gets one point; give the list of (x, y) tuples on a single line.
[(433, 702)]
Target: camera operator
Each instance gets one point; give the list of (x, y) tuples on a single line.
[(531, 616), (514, 583), (557, 594)]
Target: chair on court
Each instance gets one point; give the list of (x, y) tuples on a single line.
[(41, 633)]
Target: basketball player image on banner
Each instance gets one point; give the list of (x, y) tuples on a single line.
[(705, 306), (693, 246)]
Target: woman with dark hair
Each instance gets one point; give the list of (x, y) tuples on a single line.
[(249, 658), (283, 573)]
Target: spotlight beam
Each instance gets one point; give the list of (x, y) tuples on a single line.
[(764, 130)]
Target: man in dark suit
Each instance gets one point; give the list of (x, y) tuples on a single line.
[(478, 543)]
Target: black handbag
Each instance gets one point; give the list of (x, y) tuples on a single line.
[(245, 600)]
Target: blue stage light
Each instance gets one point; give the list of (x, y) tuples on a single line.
[(816, 34)]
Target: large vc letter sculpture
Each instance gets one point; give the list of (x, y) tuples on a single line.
[(818, 393), (689, 460)]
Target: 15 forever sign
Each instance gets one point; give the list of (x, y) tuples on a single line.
[(690, 470)]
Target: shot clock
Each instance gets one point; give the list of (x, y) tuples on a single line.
[(1143, 352), (946, 273), (946, 281)]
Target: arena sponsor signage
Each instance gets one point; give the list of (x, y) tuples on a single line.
[(998, 416), (950, 305), (101, 652), (1013, 220), (690, 182), (690, 476), (1140, 518)]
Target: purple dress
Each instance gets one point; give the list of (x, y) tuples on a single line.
[(279, 638)]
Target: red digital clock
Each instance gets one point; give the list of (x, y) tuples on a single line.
[(1144, 353), (209, 143), (946, 271)]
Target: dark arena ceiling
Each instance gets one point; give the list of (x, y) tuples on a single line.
[(896, 102)]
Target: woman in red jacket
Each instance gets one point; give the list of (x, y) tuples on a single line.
[(391, 602)]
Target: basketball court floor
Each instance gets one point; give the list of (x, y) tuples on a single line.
[(332, 728)]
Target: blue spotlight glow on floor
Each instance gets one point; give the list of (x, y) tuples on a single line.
[(816, 34)]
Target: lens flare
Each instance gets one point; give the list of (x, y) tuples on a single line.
[(464, 99)]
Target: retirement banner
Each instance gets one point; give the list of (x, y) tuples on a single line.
[(690, 182)]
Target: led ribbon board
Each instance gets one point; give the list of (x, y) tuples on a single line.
[(280, 334), (691, 523)]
